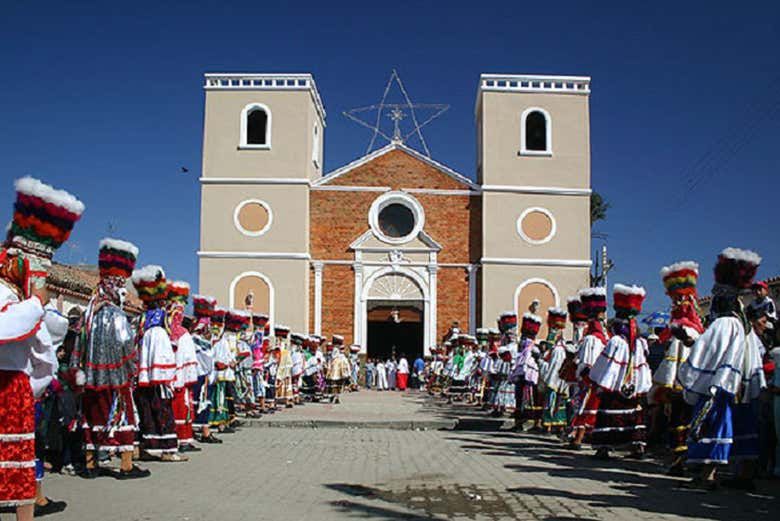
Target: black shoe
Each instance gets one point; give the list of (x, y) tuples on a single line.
[(228, 430), (211, 439), (52, 507), (134, 473), (90, 473), (187, 447)]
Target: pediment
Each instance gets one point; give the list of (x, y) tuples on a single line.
[(369, 241)]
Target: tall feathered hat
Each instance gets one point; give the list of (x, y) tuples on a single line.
[(594, 301), (576, 310), (259, 320), (556, 318), (218, 315), (736, 268), (236, 320), (628, 301), (482, 336), (337, 340), (281, 331), (150, 284), (203, 305), (680, 279), (43, 217), (507, 321), (530, 326), (178, 291), (466, 340), (116, 258), (493, 334), (297, 339)]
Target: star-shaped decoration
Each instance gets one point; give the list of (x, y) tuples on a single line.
[(396, 112)]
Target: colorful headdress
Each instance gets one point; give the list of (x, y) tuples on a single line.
[(281, 331), (736, 268), (259, 320), (354, 348), (43, 217), (680, 279), (236, 320), (466, 340), (150, 284), (576, 310), (507, 321), (218, 315), (530, 326), (628, 301), (203, 306), (178, 291), (297, 339), (337, 340), (116, 258), (482, 335), (493, 334), (594, 301), (556, 318)]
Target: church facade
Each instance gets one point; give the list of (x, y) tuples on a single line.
[(393, 248)]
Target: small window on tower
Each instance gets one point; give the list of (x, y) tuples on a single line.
[(535, 130), (256, 127)]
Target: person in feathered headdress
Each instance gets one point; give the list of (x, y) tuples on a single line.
[(296, 372), (284, 372), (42, 221), (337, 372), (226, 359), (204, 309), (104, 356), (186, 366), (556, 395), (257, 343), (684, 328), (585, 403), (156, 368), (504, 395), (525, 374), (622, 378), (723, 375)]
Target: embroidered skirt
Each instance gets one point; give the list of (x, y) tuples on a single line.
[(110, 419), (619, 421), (183, 414), (529, 401), (158, 428), (555, 405), (17, 440), (201, 403)]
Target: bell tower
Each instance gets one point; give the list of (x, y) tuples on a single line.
[(533, 165), (262, 148)]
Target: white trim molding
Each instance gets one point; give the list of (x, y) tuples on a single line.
[(347, 188), (264, 278), (536, 280), (545, 211), (253, 181), (243, 230), (540, 190), (252, 255), (402, 198), (560, 263), (318, 266), (252, 107), (439, 191), (524, 150)]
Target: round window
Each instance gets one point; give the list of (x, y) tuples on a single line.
[(396, 220), (536, 225), (252, 217)]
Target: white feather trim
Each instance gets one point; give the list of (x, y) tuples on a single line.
[(592, 292), (180, 284), (239, 313), (483, 330), (117, 244), (31, 186), (508, 314), (557, 311), (741, 255), (281, 327), (532, 317), (338, 337), (221, 309), (148, 273), (494, 331), (573, 299), (622, 289), (677, 266), (210, 300)]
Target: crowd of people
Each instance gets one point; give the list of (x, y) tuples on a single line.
[(77, 390), (712, 399)]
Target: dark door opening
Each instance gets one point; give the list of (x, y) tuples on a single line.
[(395, 328)]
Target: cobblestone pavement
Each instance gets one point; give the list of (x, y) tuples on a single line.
[(349, 473)]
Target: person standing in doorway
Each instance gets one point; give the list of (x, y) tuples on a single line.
[(370, 370), (390, 368), (418, 371), (403, 373), (381, 376)]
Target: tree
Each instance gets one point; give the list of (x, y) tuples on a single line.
[(598, 208)]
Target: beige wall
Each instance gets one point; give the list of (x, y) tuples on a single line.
[(499, 123), (293, 115), (500, 285), (501, 212), (289, 230), (289, 280)]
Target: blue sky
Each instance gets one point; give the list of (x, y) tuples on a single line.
[(106, 101)]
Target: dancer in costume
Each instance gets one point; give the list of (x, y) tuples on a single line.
[(354, 363), (105, 358), (203, 307), (338, 369), (504, 397), (284, 371), (219, 417), (42, 221), (258, 344), (684, 328), (586, 402), (622, 377), (298, 364), (568, 372), (186, 366), (525, 375), (310, 370), (227, 352), (723, 376), (156, 368), (556, 389)]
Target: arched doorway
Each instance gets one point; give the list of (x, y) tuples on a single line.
[(255, 287), (395, 317), (536, 289)]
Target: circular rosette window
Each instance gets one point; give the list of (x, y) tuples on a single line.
[(253, 217), (396, 217), (536, 225)]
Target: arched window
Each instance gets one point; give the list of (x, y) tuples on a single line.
[(255, 126), (535, 132)]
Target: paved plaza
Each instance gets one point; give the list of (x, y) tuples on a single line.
[(372, 457)]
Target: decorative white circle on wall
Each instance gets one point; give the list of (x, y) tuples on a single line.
[(253, 217), (396, 217), (536, 225)]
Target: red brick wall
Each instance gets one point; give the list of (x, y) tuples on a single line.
[(338, 218)]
